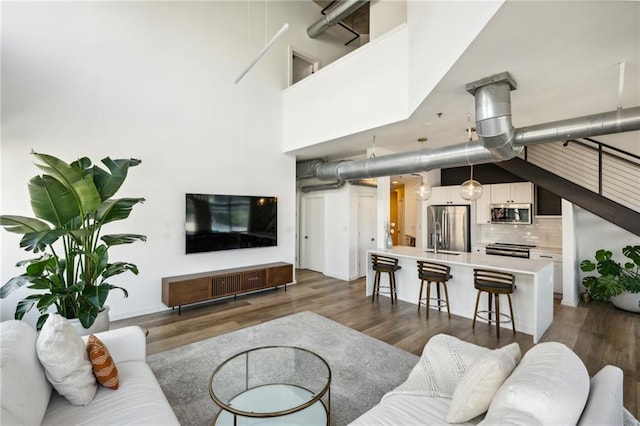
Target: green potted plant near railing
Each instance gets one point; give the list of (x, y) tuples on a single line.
[(72, 203), (617, 282)]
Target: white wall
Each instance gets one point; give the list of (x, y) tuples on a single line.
[(152, 80), (385, 15), (595, 233)]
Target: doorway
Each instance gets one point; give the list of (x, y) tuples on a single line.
[(366, 230), (397, 212), (302, 66), (312, 235)]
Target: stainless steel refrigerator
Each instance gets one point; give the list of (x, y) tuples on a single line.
[(449, 227)]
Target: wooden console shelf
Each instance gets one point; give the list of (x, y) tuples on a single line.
[(185, 289)]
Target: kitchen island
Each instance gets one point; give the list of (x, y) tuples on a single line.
[(532, 298)]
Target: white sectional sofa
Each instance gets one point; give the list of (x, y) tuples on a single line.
[(28, 399), (457, 382)]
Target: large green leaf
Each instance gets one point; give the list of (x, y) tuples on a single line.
[(114, 287), (119, 268), (633, 253), (587, 266), (88, 315), (36, 267), (52, 201), (79, 183), (116, 239), (609, 267), (25, 305), (38, 241), (23, 225), (112, 210), (14, 284), (109, 183), (96, 294)]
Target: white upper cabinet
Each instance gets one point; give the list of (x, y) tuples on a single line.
[(517, 193), (483, 205), (447, 195)]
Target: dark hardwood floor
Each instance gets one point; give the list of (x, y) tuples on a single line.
[(599, 333)]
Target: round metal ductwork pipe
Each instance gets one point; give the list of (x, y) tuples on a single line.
[(621, 120), (493, 114), (323, 186), (406, 162), (338, 13)]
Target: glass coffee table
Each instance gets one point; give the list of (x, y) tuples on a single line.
[(271, 385)]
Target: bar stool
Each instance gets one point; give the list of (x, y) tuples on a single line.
[(384, 264), (494, 283), (436, 273)]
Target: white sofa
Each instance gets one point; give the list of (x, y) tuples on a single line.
[(549, 386), (27, 397)]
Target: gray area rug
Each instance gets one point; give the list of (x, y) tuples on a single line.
[(363, 368)]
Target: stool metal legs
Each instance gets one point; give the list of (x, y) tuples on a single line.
[(392, 286), (439, 301), (489, 312)]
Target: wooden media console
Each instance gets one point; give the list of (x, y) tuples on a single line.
[(185, 289)]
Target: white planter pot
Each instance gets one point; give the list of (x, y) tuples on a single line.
[(627, 301), (100, 324)]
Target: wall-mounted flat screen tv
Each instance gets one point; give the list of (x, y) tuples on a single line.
[(226, 222)]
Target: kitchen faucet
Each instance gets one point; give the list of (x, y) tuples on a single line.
[(437, 236)]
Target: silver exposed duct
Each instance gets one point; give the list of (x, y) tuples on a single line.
[(364, 182), (406, 162), (323, 186), (606, 123), (493, 114), (498, 140), (343, 9)]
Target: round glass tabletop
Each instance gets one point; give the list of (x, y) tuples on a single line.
[(288, 383)]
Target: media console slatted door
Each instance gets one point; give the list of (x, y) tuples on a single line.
[(185, 289)]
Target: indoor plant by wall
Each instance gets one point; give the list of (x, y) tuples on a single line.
[(617, 282), (71, 202)]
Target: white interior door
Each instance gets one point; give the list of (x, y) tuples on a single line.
[(366, 230), (312, 237)]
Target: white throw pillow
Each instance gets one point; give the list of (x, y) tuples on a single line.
[(443, 363), (550, 385), (480, 383), (25, 389), (63, 354)]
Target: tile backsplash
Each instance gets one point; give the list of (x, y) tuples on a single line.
[(546, 232)]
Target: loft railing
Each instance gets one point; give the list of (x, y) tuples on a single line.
[(606, 170)]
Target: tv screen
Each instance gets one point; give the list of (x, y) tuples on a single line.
[(225, 222)]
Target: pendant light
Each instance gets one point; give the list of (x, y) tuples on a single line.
[(423, 191), (470, 189)]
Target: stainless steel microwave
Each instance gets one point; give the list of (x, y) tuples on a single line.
[(511, 213)]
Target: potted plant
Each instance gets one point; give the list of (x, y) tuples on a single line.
[(617, 282), (72, 203)]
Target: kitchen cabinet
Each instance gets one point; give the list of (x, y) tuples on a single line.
[(557, 266), (483, 206), (447, 195), (516, 193)]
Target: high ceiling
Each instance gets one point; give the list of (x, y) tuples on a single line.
[(564, 57)]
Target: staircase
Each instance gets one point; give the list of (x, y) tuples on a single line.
[(597, 177)]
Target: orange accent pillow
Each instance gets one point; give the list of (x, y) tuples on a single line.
[(104, 368)]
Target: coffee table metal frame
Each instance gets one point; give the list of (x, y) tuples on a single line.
[(237, 412)]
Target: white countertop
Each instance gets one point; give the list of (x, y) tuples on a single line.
[(543, 249), (510, 264)]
